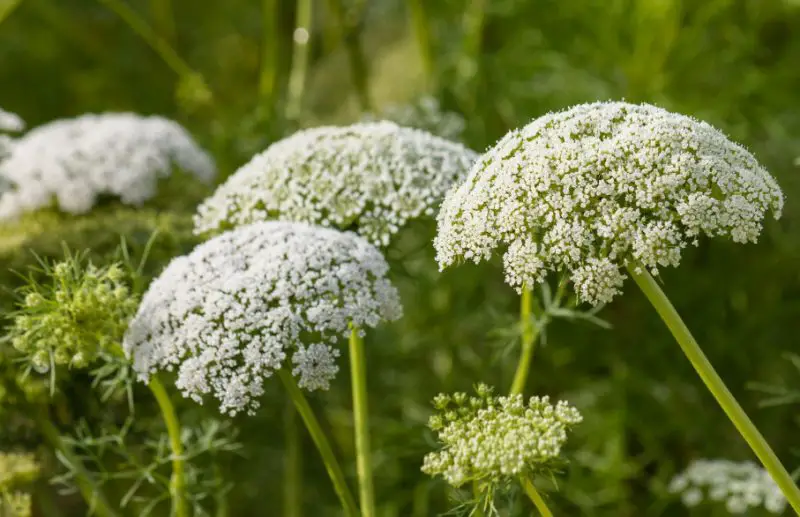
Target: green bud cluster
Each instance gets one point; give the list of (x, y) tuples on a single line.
[(490, 439), (16, 471), (76, 313)]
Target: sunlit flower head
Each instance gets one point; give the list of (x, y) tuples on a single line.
[(228, 315), (738, 486), (369, 177), (73, 162), (591, 189), (489, 438)]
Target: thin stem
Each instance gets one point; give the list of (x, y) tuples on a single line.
[(422, 33), (92, 492), (358, 374), (160, 45), (177, 485), (300, 52), (715, 384), (164, 19), (476, 493), (534, 496), (529, 333), (7, 7), (270, 51), (355, 53), (321, 441), (293, 466)]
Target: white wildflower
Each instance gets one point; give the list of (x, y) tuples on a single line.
[(593, 188), (11, 122), (227, 315), (369, 177), (739, 486), (425, 113), (74, 161), (492, 438)]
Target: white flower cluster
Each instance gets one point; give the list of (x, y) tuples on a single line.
[(425, 113), (599, 186), (740, 486), (491, 438), (74, 161), (227, 315), (368, 177)]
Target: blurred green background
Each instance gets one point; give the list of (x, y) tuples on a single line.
[(223, 69)]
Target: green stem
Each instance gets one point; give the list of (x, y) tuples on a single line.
[(300, 52), (529, 333), (177, 485), (469, 61), (321, 441), (7, 7), (270, 51), (422, 33), (358, 374), (160, 45), (355, 54), (476, 493), (164, 19), (715, 384), (293, 467), (92, 493), (534, 496)]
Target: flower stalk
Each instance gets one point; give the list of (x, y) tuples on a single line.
[(293, 465), (534, 496), (715, 385), (529, 333), (321, 441), (177, 485), (358, 373), (301, 50)]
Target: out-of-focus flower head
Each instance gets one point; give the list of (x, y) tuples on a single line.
[(73, 162), (9, 123), (491, 439), (424, 113), (738, 486), (371, 178), (17, 471), (227, 315), (591, 189)]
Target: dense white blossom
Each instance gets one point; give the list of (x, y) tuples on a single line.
[(596, 187), (74, 161), (368, 177), (739, 486), (424, 113), (227, 315), (491, 438)]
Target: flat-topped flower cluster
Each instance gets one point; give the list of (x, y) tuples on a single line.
[(591, 189), (227, 315), (740, 486), (369, 177), (74, 161), (491, 438)]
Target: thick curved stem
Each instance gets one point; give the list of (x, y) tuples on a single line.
[(91, 491), (321, 441), (529, 333), (177, 485), (358, 374), (715, 384), (534, 496), (270, 49)]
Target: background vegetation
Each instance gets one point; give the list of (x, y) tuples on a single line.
[(224, 70)]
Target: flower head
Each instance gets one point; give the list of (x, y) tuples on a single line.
[(425, 113), (75, 161), (17, 470), (76, 312), (739, 486), (599, 186), (488, 438), (11, 122), (368, 177), (227, 315)]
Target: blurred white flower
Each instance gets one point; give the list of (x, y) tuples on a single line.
[(11, 122), (369, 177), (491, 438), (740, 486), (598, 186), (227, 315), (424, 113), (74, 161)]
